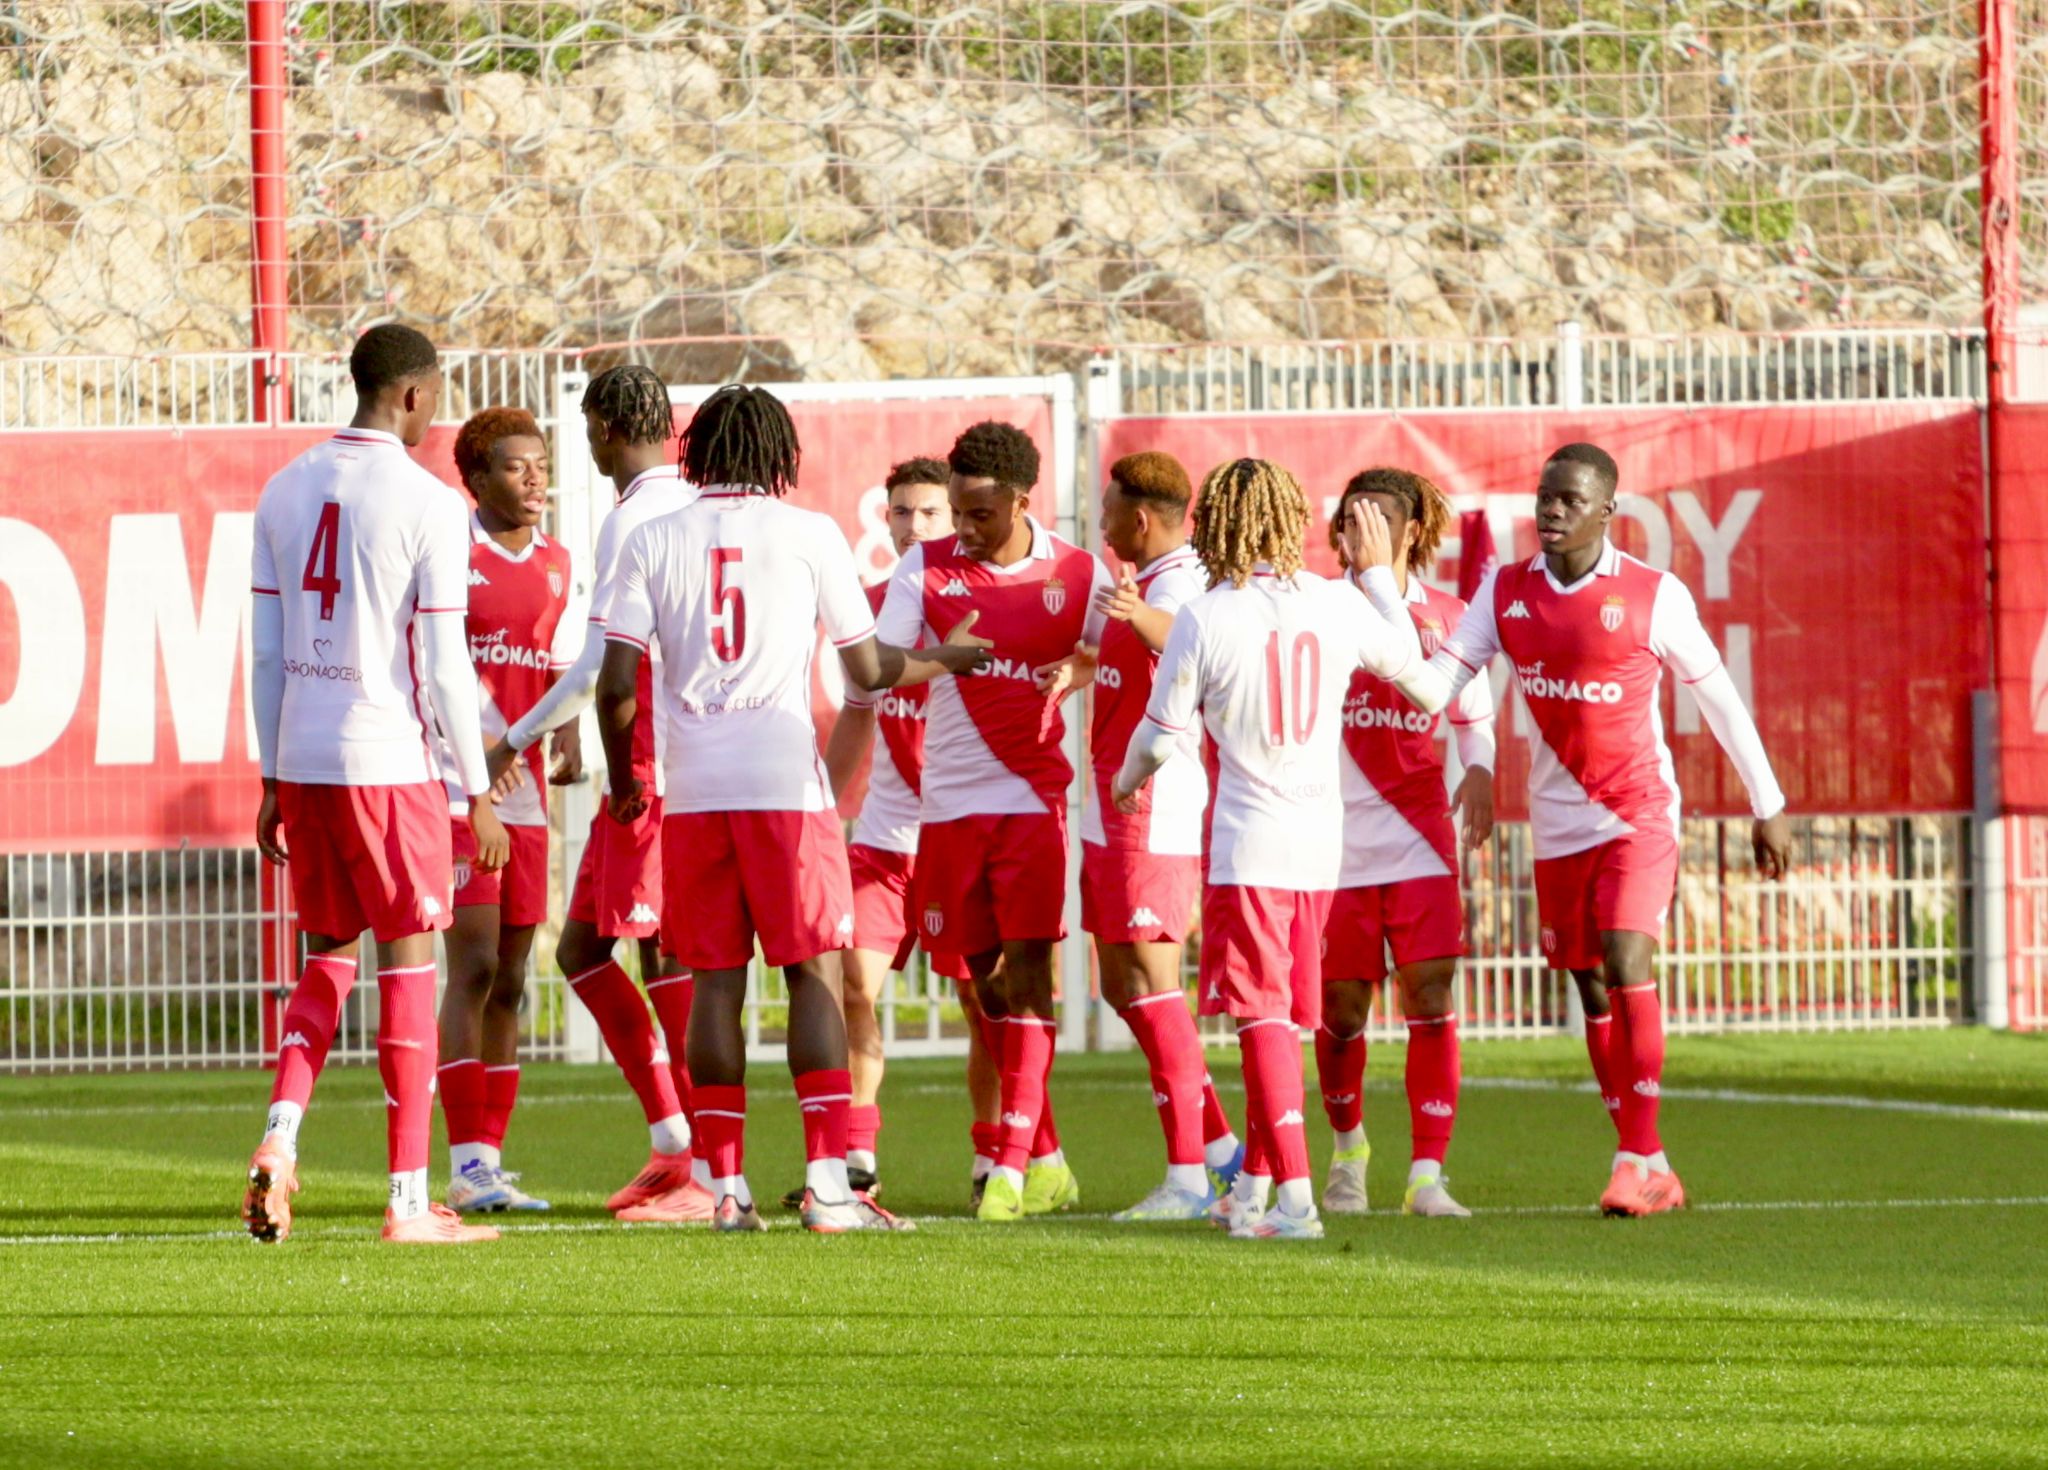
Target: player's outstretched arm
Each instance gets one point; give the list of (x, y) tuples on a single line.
[(451, 678), (569, 697), (1152, 745), (1124, 603), (618, 705), (873, 665)]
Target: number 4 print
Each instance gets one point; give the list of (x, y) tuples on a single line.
[(1291, 701), (728, 605), (321, 576)]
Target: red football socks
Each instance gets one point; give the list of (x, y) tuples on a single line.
[(1026, 1066), (1637, 1060), (463, 1090), (863, 1128), (1340, 1073), (1215, 1122), (406, 1044), (672, 996), (621, 1015), (1433, 1075), (309, 1024), (722, 1124), (1600, 1050), (501, 1095), (823, 1097), (1273, 1081), (1165, 1032)]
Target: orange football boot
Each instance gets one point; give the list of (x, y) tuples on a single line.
[(663, 1173), (689, 1203), (267, 1202), (438, 1226), (1624, 1195), (1662, 1192)]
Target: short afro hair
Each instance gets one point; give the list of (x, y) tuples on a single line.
[(1156, 478), (481, 432), (996, 451), (389, 355), (1594, 458), (922, 471)]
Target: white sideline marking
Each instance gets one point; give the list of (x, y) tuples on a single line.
[(590, 1227), (1980, 1111)]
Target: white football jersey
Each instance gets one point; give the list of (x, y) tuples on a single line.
[(733, 588), (357, 541), (650, 495), (1264, 667)]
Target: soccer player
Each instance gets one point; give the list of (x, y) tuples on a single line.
[(733, 588), (617, 895), (1262, 660), (519, 638), (361, 571), (992, 854), (1141, 872), (883, 854), (1590, 632), (1399, 883)]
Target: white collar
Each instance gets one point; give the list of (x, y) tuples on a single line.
[(354, 435), (1166, 561), (659, 472), (1609, 565), (480, 537), (1041, 549)]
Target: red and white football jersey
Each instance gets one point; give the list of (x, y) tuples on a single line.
[(1588, 659), (356, 541), (992, 741), (1397, 823), (888, 819), (651, 495), (1169, 815), (1264, 668), (520, 638), (733, 589)]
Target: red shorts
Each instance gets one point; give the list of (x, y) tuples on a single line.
[(1262, 953), (519, 890), (984, 880), (618, 883), (1625, 883), (882, 882), (730, 877), (1130, 897), (369, 857), (1420, 919)]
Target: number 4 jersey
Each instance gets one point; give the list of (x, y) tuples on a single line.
[(733, 588), (1265, 668), (357, 542)]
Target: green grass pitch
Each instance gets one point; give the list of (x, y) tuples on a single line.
[(1857, 1283)]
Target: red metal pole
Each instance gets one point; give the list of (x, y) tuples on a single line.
[(266, 197), (1999, 155)]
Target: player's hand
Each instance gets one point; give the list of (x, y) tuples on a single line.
[(963, 651), (566, 745), (507, 770), (1127, 802), (1772, 841), (1367, 541), (493, 847), (1473, 805), (1068, 675), (629, 798), (1122, 600), (269, 821)]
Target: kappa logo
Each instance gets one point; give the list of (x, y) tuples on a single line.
[(1018, 1120), (1290, 1118), (934, 918), (390, 1102), (1054, 594), (478, 579), (1145, 919), (844, 929), (554, 581), (1160, 1099), (1438, 1109), (954, 588), (295, 1038), (430, 906), (1612, 612), (642, 914), (1214, 994), (1648, 1087), (1516, 610)]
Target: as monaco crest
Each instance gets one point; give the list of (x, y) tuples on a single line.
[(934, 919), (1612, 612), (1432, 634), (554, 581), (1055, 595)]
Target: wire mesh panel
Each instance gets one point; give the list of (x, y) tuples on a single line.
[(899, 190)]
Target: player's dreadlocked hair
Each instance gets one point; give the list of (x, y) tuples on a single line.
[(1251, 511), (631, 401), (918, 472), (1429, 509), (742, 436)]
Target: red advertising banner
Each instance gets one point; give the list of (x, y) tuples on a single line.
[(124, 597), (2019, 523), (1835, 553)]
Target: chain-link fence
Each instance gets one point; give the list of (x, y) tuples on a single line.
[(839, 188)]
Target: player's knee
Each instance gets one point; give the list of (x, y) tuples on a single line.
[(1347, 1006), (1592, 991), (1427, 993)]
